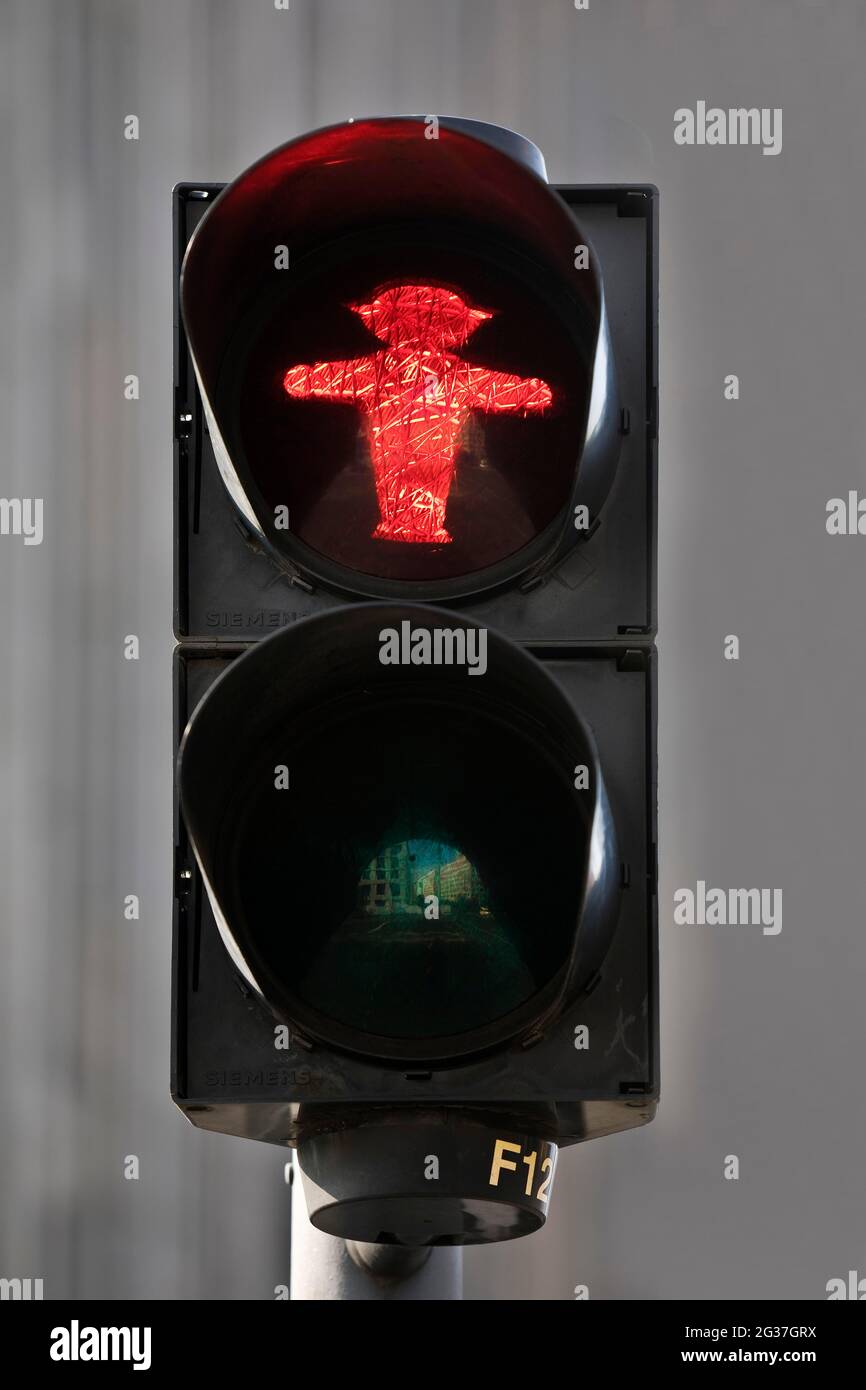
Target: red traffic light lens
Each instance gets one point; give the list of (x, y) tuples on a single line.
[(404, 366), (413, 429)]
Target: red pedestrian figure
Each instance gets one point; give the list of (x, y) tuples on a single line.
[(415, 393)]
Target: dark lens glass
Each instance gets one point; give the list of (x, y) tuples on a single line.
[(421, 875)]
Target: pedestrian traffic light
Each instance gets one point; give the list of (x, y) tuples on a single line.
[(415, 922)]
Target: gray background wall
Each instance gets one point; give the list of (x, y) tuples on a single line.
[(762, 762)]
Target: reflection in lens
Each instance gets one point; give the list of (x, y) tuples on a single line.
[(423, 907)]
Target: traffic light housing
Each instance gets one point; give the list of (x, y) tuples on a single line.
[(415, 924)]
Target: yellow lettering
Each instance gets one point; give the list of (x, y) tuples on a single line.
[(500, 1148), (542, 1195), (530, 1163)]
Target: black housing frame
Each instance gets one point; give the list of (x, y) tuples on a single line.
[(591, 620)]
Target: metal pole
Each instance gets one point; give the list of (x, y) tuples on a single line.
[(323, 1268)]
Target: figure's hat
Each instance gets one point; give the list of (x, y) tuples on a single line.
[(396, 313)]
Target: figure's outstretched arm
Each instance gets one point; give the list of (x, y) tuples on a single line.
[(496, 391), (336, 381)]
